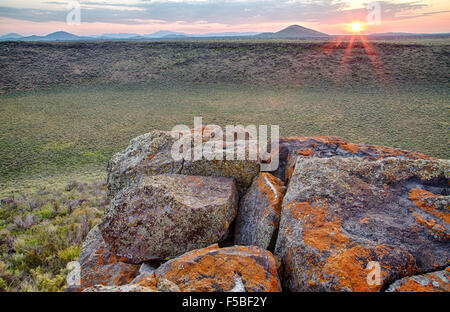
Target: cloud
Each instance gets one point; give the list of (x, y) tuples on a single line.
[(217, 11)]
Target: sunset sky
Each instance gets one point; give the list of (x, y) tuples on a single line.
[(28, 17)]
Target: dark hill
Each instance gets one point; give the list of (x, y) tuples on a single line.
[(293, 32)]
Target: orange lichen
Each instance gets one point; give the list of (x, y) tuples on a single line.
[(149, 157), (210, 269), (434, 284), (116, 274), (381, 151), (305, 152), (431, 225), (291, 160), (146, 280), (105, 257), (319, 230), (423, 200), (364, 220), (270, 187), (350, 147), (334, 258), (349, 267)]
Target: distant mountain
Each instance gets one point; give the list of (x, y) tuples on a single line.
[(11, 36), (175, 36), (56, 36), (227, 34), (165, 33), (118, 36), (61, 35), (293, 32)]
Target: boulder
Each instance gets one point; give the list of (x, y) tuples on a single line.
[(151, 154), (238, 158), (99, 266), (124, 288), (150, 280), (146, 155), (212, 269), (259, 212), (242, 170), (432, 282), (325, 147), (167, 215), (345, 218)]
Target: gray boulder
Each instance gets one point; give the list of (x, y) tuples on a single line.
[(152, 154), (167, 215), (325, 147), (146, 155), (259, 212)]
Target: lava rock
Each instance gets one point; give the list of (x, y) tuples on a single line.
[(344, 218), (167, 215), (223, 269), (98, 266), (259, 212)]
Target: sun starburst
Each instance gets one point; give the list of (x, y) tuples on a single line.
[(356, 27)]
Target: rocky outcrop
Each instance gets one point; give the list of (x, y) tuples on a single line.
[(98, 266), (338, 217), (325, 147), (124, 288), (232, 269), (341, 217), (167, 215), (431, 282), (223, 269), (259, 212)]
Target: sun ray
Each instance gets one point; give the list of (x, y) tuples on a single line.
[(376, 61), (344, 62)]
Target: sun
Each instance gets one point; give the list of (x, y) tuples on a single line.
[(356, 27)]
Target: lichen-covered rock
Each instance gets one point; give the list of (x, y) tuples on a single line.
[(242, 170), (167, 215), (259, 212), (223, 269), (150, 280), (325, 147), (238, 158), (148, 154), (99, 266), (432, 282), (124, 288), (344, 217)]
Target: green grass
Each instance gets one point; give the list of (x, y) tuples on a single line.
[(42, 226), (78, 129)]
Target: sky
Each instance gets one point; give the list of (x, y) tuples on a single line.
[(28, 17)]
